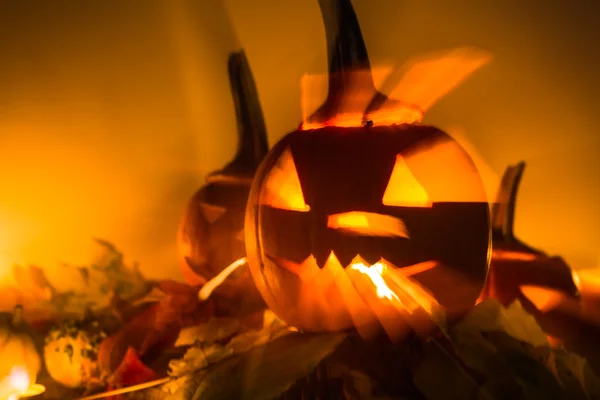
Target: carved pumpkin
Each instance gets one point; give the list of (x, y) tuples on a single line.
[(211, 233), (71, 352), (515, 264), (17, 346), (331, 205)]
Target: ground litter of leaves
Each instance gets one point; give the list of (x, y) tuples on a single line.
[(493, 352)]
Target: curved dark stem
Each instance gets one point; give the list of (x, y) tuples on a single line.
[(345, 45), (503, 210), (252, 132), (348, 60)]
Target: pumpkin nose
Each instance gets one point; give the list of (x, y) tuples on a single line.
[(368, 224)]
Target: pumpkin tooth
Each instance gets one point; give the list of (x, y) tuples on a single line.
[(308, 269), (423, 316), (329, 270), (321, 294), (357, 260), (363, 319), (388, 314), (419, 296)]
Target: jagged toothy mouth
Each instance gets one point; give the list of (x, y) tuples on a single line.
[(307, 269)]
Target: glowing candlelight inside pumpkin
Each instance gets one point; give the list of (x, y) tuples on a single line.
[(18, 385), (374, 273), (413, 297)]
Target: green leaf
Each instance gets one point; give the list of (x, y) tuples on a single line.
[(267, 371)]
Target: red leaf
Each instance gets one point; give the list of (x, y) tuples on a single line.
[(131, 371), (180, 301), (157, 326), (114, 347)]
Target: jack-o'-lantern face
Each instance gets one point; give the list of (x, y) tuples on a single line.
[(404, 197)]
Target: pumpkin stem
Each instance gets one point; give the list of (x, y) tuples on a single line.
[(351, 86), (502, 215), (17, 317), (346, 48), (252, 132), (503, 210)]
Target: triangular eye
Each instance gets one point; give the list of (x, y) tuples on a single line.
[(211, 212), (403, 189), (282, 188)]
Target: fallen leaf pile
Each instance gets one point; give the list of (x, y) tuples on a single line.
[(502, 353), (492, 353), (131, 371), (156, 327), (93, 285), (230, 346), (216, 340)]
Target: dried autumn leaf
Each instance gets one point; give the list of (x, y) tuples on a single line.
[(38, 277), (357, 386), (509, 351), (211, 331), (197, 357), (491, 316), (531, 375), (177, 389), (266, 371), (157, 325), (452, 381), (204, 352), (272, 328), (574, 374)]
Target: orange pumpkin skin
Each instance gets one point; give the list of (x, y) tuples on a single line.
[(18, 346), (210, 234), (71, 352), (413, 175)]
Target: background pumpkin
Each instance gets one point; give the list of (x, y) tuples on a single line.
[(17, 345), (71, 351), (354, 186), (211, 233)]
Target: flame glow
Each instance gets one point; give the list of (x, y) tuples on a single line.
[(374, 273), (19, 379), (18, 385)]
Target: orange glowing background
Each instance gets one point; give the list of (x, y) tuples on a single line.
[(112, 113)]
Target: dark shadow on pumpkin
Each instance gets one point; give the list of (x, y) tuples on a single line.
[(575, 319), (210, 234)]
